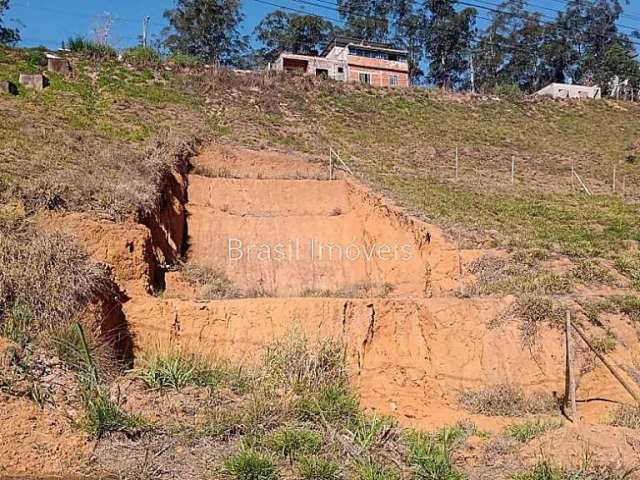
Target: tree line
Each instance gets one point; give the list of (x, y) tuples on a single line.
[(583, 42)]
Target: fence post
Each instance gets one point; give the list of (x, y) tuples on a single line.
[(513, 169), (457, 162), (330, 163), (570, 381), (613, 183)]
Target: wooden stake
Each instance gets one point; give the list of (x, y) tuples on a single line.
[(570, 381), (513, 169), (330, 163), (457, 162), (624, 185), (609, 365), (613, 183)]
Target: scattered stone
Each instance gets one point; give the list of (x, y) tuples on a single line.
[(8, 87), (58, 65), (37, 82)]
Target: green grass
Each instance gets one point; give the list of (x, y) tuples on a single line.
[(576, 225), (103, 416), (330, 405), (527, 431), (318, 468), (368, 469), (431, 456), (291, 442), (250, 465), (176, 370)]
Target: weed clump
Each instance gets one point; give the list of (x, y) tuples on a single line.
[(91, 49), (211, 283), (250, 465), (291, 442), (626, 416), (506, 400), (318, 468), (527, 431)]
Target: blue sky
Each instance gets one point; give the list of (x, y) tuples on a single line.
[(43, 22)]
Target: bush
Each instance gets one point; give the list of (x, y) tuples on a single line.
[(250, 465), (317, 468), (506, 400), (91, 49), (142, 56)]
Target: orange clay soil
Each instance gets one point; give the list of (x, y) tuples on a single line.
[(411, 350)]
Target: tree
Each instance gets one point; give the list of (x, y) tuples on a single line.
[(448, 39), (366, 19), (207, 29), (303, 34), (8, 36), (409, 23), (619, 61)]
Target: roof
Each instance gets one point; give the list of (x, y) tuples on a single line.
[(343, 41)]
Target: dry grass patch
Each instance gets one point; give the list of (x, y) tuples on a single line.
[(521, 273), (506, 400), (210, 283), (626, 416), (46, 281)]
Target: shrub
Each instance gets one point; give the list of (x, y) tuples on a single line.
[(506, 400), (142, 56), (317, 468), (524, 432), (91, 49), (290, 442), (250, 465)]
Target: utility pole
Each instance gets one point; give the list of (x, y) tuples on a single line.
[(145, 31)]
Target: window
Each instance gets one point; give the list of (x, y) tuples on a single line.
[(340, 70), (394, 80), (365, 78)]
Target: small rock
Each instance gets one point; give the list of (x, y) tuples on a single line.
[(37, 81), (8, 87)]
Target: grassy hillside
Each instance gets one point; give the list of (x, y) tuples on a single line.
[(83, 144)]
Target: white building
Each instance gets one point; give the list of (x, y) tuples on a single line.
[(565, 90)]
